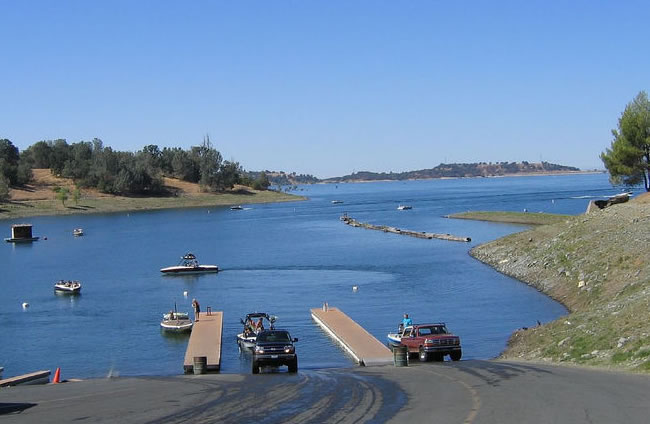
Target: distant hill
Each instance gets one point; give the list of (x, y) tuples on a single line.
[(444, 170), (459, 170)]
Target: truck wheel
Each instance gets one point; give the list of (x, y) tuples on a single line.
[(438, 357), (256, 367), (424, 356), (456, 355), (293, 367)]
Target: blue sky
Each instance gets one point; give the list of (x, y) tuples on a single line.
[(326, 87)]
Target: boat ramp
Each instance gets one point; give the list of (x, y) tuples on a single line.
[(205, 342), (364, 348)]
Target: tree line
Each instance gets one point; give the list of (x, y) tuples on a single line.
[(92, 165)]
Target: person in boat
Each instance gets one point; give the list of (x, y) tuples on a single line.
[(405, 322), (171, 315), (259, 327), (197, 309)]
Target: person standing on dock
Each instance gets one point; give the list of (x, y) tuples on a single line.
[(197, 309)]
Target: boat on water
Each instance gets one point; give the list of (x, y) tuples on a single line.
[(176, 322), (67, 287), (337, 202), (247, 338), (189, 265), (237, 208), (404, 207), (78, 232)]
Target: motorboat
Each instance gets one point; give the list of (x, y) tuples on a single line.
[(189, 265), (337, 202), (67, 287), (236, 208), (176, 322), (404, 207), (78, 232), (246, 339)]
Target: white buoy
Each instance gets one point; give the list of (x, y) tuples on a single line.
[(185, 293), (25, 305), (355, 288)]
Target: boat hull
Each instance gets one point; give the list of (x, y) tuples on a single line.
[(176, 326), (394, 339), (246, 342), (182, 270)]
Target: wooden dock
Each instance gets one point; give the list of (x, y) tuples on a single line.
[(38, 377), (364, 348), (419, 234), (205, 340)]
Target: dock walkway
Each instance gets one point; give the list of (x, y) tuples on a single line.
[(394, 230), (38, 377), (363, 347), (205, 340)]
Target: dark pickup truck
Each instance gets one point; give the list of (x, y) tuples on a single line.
[(431, 341), (274, 348)]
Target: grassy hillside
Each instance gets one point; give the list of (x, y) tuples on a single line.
[(524, 218), (597, 265), (39, 198)]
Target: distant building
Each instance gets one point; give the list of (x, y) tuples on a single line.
[(20, 233)]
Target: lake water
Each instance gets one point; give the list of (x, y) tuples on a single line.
[(280, 258)]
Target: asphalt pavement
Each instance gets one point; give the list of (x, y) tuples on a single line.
[(468, 392)]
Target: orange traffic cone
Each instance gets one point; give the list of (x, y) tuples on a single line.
[(57, 376)]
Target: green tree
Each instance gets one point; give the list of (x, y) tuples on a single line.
[(628, 158), (62, 195), (4, 189), (76, 195)]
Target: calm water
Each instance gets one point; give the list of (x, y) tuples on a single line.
[(280, 258)]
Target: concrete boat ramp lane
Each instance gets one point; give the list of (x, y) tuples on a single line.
[(364, 348), (205, 341)]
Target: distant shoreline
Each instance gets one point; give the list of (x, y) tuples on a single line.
[(518, 174)]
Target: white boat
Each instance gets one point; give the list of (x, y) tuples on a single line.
[(337, 202), (176, 322), (404, 207), (246, 339), (236, 208), (189, 265), (67, 287), (78, 232)]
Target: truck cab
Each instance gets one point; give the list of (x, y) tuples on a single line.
[(431, 341)]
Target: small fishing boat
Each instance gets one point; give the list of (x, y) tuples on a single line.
[(246, 339), (67, 287), (189, 265), (236, 208), (404, 207), (337, 202), (176, 322), (78, 232)]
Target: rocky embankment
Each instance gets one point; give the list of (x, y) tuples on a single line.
[(598, 266)]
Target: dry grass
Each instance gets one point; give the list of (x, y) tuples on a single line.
[(38, 198)]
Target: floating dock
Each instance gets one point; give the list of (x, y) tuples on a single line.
[(419, 234), (205, 340), (38, 377), (364, 348)]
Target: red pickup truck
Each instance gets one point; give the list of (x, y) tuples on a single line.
[(431, 341)]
